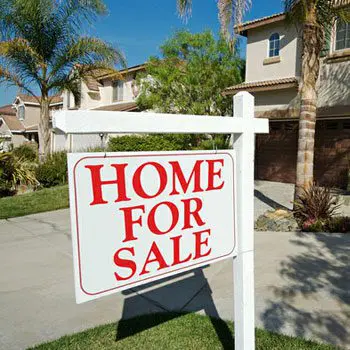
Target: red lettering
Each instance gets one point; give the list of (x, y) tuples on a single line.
[(199, 243), (137, 184), (176, 250), (158, 257), (212, 173), (97, 183), (152, 220), (124, 263), (178, 174), (195, 212), (129, 222)]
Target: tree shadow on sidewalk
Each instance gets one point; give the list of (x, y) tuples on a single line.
[(187, 292), (314, 300)]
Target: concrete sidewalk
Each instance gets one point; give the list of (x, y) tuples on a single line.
[(302, 284)]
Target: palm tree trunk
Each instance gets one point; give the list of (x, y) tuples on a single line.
[(44, 128), (312, 45)]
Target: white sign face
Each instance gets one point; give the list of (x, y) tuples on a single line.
[(139, 217)]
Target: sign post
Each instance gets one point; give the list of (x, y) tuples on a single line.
[(137, 217)]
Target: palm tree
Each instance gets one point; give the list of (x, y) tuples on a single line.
[(316, 18), (41, 49)]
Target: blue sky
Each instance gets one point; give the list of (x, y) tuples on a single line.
[(139, 27)]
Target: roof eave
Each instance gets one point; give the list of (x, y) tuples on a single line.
[(231, 92), (243, 28)]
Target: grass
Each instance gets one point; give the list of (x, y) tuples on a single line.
[(35, 202), (172, 331)]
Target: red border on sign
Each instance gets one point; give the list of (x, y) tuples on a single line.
[(165, 273)]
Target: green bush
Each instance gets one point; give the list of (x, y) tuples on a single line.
[(167, 142), (338, 224), (15, 171), (27, 152), (335, 224), (53, 171)]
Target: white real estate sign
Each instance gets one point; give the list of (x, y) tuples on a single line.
[(139, 217)]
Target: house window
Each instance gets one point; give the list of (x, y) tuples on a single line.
[(118, 87), (342, 38), (21, 112), (274, 45)]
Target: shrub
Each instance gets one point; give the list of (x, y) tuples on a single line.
[(315, 204), (313, 226), (27, 152), (15, 171), (53, 171), (166, 142), (335, 224), (338, 224), (210, 142)]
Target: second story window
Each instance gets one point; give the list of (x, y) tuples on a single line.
[(342, 39), (21, 112), (118, 90), (274, 45)]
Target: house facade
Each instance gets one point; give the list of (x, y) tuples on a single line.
[(19, 121), (273, 70), (103, 92)]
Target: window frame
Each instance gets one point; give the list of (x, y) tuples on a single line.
[(272, 46), (118, 85), (21, 108), (346, 37)]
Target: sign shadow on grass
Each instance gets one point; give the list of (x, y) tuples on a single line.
[(173, 296)]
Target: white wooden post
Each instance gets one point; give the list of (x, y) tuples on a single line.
[(243, 263)]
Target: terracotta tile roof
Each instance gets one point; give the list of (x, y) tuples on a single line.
[(120, 107), (31, 99), (7, 110), (136, 68), (242, 28), (265, 85), (13, 123)]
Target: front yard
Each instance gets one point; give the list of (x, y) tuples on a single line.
[(172, 331), (36, 202)]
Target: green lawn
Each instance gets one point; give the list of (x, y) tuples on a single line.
[(35, 202), (172, 331)]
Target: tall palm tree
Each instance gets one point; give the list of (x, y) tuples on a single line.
[(316, 18), (42, 49)]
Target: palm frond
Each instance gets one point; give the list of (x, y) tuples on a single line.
[(184, 8)]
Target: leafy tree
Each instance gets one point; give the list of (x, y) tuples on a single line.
[(190, 76), (41, 48), (316, 18)]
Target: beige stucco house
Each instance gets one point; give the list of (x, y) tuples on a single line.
[(273, 69), (105, 92), (19, 121), (102, 92)]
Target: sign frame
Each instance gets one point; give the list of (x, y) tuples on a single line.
[(243, 127), (74, 160)]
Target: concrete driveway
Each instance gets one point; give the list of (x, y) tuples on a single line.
[(302, 283)]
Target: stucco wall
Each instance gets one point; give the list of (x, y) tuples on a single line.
[(334, 84), (32, 115), (257, 51), (278, 99)]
